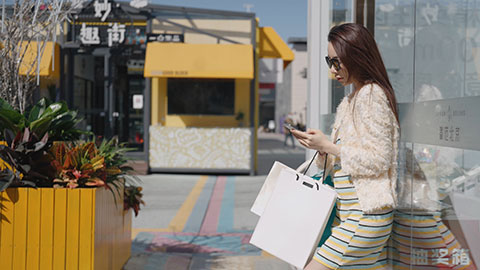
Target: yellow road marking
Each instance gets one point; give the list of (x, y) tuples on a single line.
[(178, 222), (136, 231)]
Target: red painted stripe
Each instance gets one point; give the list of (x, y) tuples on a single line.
[(210, 222), (198, 234)]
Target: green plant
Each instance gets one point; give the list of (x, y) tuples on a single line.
[(43, 117), (115, 161), (24, 160), (239, 116), (77, 166), (114, 154), (85, 165), (39, 151), (133, 198)]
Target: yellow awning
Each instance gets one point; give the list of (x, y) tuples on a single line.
[(272, 46), (179, 60), (46, 60)]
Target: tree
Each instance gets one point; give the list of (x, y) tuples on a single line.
[(24, 24)]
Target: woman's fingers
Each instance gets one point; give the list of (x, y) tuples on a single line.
[(313, 131), (302, 142), (299, 134)]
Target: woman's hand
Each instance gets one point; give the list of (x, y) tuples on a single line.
[(316, 140)]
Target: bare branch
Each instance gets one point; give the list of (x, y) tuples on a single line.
[(23, 23)]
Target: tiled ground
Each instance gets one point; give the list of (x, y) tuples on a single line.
[(210, 228)]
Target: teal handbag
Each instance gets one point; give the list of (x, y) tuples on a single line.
[(328, 228), (328, 181)]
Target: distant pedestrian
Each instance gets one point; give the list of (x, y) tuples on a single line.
[(281, 121), (287, 132)]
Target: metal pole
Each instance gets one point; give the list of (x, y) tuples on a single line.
[(71, 76), (147, 110), (253, 136), (319, 96), (108, 96)]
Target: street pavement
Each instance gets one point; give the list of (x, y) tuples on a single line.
[(193, 222)]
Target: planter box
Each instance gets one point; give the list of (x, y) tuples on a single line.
[(49, 228)]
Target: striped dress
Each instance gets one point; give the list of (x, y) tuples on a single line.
[(358, 240), (422, 241)]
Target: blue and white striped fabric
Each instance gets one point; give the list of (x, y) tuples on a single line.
[(358, 240)]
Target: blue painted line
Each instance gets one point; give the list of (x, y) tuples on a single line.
[(242, 231), (156, 261), (223, 242), (194, 222), (141, 242), (225, 222)]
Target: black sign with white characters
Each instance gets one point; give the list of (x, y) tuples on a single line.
[(175, 38)]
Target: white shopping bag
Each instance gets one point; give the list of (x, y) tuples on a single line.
[(293, 220), (269, 185), (267, 189)]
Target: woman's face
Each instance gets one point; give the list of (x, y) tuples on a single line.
[(342, 74)]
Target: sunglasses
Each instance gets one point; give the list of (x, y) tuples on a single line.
[(333, 62)]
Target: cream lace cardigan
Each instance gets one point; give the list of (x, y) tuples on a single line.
[(369, 136)]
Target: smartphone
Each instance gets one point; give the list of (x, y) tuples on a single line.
[(289, 127)]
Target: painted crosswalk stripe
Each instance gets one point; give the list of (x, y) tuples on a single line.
[(210, 222), (225, 223), (197, 215), (178, 222)]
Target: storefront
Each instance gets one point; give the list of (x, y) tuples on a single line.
[(431, 52), (177, 84)]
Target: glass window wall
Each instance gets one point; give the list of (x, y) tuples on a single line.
[(430, 49)]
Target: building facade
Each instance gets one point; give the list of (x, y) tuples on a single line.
[(291, 98), (179, 85)]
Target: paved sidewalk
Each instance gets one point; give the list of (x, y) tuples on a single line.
[(194, 222)]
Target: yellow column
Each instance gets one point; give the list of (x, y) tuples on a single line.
[(242, 99), (154, 101), (257, 53), (159, 101)]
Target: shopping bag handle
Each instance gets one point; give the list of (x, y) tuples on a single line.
[(326, 159), (324, 168), (324, 165), (311, 161)]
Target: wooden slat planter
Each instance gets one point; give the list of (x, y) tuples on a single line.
[(49, 228)]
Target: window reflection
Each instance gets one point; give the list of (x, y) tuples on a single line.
[(431, 51)]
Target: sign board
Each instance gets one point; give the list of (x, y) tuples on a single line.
[(177, 38), (105, 23), (138, 102), (111, 34), (446, 122)]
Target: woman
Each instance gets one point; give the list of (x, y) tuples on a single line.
[(362, 154)]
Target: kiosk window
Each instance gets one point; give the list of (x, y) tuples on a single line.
[(201, 96)]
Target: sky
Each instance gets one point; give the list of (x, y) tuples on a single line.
[(287, 17)]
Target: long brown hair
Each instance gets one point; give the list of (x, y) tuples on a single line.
[(358, 52)]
